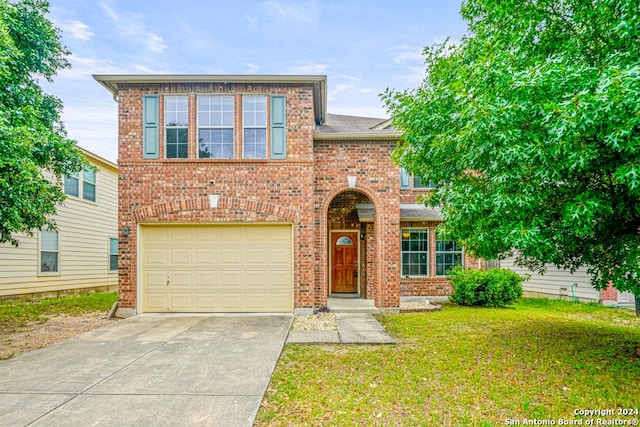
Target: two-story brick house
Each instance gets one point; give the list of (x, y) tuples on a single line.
[(241, 193)]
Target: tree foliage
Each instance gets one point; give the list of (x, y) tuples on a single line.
[(33, 141), (532, 125)]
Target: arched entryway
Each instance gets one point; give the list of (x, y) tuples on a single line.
[(351, 253)]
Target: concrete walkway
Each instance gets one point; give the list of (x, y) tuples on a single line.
[(352, 328), (148, 370)]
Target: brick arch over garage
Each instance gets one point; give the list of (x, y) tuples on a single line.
[(228, 203), (324, 245)]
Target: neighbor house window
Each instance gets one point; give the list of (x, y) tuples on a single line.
[(415, 252), (113, 254), (254, 122), (71, 185), (49, 251), (81, 185), (448, 255), (176, 119), (409, 181), (215, 127), (89, 185)]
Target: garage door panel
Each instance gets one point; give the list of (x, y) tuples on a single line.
[(180, 301), (230, 255), (156, 257), (217, 268), (205, 279), (181, 279), (155, 301), (206, 256)]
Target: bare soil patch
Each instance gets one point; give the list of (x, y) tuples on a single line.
[(35, 334)]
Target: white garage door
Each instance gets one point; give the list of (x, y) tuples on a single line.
[(217, 268)]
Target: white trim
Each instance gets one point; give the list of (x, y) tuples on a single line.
[(109, 270), (419, 276), (39, 266), (331, 232)]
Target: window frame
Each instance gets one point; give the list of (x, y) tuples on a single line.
[(74, 177), (426, 253), (86, 182), (265, 126), (177, 126), (111, 254), (56, 251), (437, 252), (80, 179), (222, 126), (412, 178)]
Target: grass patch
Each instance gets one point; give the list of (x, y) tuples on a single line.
[(18, 313), (538, 359)]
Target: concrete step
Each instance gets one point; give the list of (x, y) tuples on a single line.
[(351, 305)]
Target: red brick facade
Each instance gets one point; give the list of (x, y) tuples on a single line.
[(308, 189)]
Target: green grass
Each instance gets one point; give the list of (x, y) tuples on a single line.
[(14, 314), (537, 359)]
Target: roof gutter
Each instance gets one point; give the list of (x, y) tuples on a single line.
[(358, 136)]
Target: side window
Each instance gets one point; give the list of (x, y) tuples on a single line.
[(176, 123), (409, 181), (89, 185), (254, 122), (215, 127), (82, 185), (113, 254), (72, 185), (49, 251)]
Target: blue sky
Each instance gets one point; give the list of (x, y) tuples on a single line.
[(362, 46)]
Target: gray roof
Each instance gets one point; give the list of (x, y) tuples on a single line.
[(408, 212), (349, 127)]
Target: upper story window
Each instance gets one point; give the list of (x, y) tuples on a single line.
[(176, 123), (409, 181), (217, 120), (254, 122), (215, 127), (81, 185)]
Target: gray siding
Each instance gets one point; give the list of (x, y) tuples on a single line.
[(556, 283)]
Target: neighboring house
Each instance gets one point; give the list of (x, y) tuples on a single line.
[(562, 284), (241, 193), (82, 253)]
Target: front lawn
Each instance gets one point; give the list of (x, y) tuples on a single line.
[(537, 360)]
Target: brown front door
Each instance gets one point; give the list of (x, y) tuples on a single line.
[(344, 262)]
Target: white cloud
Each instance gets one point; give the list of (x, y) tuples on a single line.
[(309, 68), (366, 90), (408, 54), (155, 43), (131, 26), (252, 68), (77, 30), (109, 11)]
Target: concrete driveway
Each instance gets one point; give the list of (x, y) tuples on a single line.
[(148, 370)]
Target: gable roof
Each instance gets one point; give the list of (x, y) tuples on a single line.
[(319, 82), (338, 126), (99, 160)]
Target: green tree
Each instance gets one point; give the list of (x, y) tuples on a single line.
[(33, 141), (532, 125)]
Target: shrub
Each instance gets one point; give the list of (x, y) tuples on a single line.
[(488, 288)]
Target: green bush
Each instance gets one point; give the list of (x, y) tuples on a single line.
[(488, 288)]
